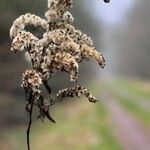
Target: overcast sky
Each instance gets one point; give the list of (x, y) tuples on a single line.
[(111, 13)]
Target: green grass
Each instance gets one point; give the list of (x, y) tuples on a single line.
[(133, 107), (104, 129), (81, 125), (132, 87), (131, 101)]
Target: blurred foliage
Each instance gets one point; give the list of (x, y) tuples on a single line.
[(133, 42)]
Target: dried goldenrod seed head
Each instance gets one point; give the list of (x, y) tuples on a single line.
[(23, 40), (31, 80), (76, 91), (67, 17), (20, 23), (52, 4), (51, 15), (62, 47)]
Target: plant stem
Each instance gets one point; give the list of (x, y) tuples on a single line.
[(29, 124), (48, 88)]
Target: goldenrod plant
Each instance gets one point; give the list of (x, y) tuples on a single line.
[(62, 47)]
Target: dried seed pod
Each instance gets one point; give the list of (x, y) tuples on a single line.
[(75, 91), (20, 23)]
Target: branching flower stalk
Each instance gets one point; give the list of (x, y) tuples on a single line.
[(62, 47)]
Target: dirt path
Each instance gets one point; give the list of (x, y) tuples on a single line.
[(128, 131)]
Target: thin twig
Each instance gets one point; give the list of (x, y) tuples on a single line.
[(30, 123), (48, 88)]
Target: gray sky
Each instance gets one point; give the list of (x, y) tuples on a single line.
[(111, 13)]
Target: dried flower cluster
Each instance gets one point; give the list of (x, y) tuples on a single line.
[(62, 48)]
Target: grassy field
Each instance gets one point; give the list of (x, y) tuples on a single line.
[(133, 96), (81, 125)]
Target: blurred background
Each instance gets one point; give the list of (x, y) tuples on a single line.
[(121, 118)]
